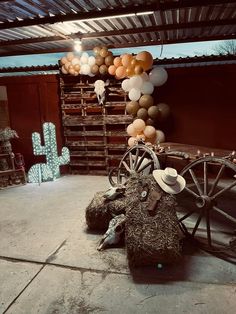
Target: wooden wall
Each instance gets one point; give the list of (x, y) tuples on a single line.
[(202, 102), (32, 100), (203, 105)]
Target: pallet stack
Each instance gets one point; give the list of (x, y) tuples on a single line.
[(95, 134)]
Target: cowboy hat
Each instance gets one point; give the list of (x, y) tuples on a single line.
[(169, 180)]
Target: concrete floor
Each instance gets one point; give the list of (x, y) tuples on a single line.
[(49, 262)]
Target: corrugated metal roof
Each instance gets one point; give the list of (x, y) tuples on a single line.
[(30, 27)]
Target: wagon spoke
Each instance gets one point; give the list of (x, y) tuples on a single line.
[(136, 158), (145, 166), (216, 180), (227, 188), (195, 180), (126, 166), (140, 161), (187, 215), (198, 222), (223, 213), (191, 192), (131, 161), (205, 177)]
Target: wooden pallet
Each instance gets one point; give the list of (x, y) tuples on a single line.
[(95, 135)]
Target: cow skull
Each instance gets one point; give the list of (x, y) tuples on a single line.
[(114, 232)]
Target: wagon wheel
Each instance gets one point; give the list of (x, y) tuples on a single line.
[(210, 198), (137, 159)]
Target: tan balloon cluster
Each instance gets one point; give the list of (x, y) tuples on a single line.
[(128, 65), (87, 65), (141, 105)]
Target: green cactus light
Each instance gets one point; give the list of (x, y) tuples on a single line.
[(49, 171)]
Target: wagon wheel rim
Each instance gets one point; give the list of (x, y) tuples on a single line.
[(137, 159), (207, 195)]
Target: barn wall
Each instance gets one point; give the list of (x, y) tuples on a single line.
[(32, 100), (202, 102), (203, 105)]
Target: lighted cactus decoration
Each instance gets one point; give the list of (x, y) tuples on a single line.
[(42, 172)]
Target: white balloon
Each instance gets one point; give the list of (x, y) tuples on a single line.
[(126, 85), (160, 136), (136, 81), (91, 60), (158, 76), (84, 58), (147, 88), (75, 61), (85, 69), (134, 94)]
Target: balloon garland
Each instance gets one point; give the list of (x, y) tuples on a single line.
[(136, 82)]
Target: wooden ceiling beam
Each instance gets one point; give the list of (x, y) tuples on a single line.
[(113, 12), (122, 45)]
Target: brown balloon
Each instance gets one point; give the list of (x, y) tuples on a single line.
[(132, 107), (153, 112), (150, 121), (103, 69), (95, 69), (146, 101), (99, 60), (164, 111), (142, 114), (96, 50), (103, 52), (109, 60)]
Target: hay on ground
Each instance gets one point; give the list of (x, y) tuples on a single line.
[(100, 211)]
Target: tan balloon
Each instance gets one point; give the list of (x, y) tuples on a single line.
[(142, 114), (63, 70), (99, 60), (164, 110), (104, 52), (126, 59), (112, 70), (132, 107), (70, 56), (131, 131), (138, 69), (103, 69), (109, 60), (72, 71), (132, 141), (96, 50), (130, 71), (121, 72), (153, 112), (117, 62), (139, 125), (95, 69), (67, 65), (64, 60), (77, 67), (146, 101), (141, 136), (146, 59), (149, 131)]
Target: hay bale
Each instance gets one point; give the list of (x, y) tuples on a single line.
[(151, 237), (100, 211)]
